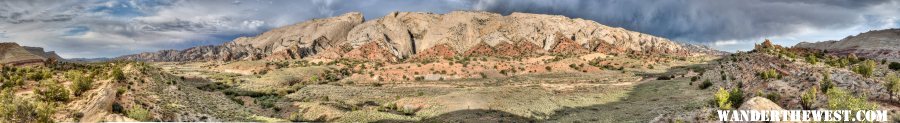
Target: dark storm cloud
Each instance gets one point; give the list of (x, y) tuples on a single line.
[(841, 3), (703, 20)]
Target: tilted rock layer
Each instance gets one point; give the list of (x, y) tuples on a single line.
[(879, 44), (402, 35)]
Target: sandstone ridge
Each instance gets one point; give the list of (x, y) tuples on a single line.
[(404, 35)]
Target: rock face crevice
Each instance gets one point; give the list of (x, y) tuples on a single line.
[(404, 35)]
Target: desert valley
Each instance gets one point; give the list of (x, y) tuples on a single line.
[(461, 66)]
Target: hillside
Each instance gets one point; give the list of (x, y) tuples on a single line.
[(12, 53), (881, 44), (796, 78), (40, 52), (402, 35)]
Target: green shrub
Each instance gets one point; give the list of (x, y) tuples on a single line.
[(826, 82), (80, 85), (548, 68), (117, 108), (706, 83), (811, 59), (117, 74), (736, 96), (120, 91), (769, 74), (51, 91), (808, 98), (722, 99), (266, 101), (839, 99), (138, 113), (892, 85), (663, 78), (773, 96), (19, 110), (894, 66), (852, 59), (38, 75), (866, 68), (12, 81)]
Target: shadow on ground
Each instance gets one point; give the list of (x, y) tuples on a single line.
[(643, 103)]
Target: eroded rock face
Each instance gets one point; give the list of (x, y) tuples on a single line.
[(371, 51), (405, 34), (879, 44), (567, 45), (480, 49), (439, 51)]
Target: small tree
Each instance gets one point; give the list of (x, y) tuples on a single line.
[(826, 82), (866, 69), (892, 85), (808, 98)]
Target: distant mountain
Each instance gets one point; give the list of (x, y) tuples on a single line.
[(40, 52), (878, 44), (88, 59), (12, 53), (404, 35)]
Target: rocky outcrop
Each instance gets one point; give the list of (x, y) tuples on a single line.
[(879, 44), (404, 35), (40, 52), (759, 103)]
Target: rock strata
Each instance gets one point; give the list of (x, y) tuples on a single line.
[(403, 35)]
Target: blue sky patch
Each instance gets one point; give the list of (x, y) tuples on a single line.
[(77, 30)]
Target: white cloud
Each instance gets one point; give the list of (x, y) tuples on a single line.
[(723, 43)]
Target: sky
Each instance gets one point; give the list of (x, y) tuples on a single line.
[(110, 28)]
